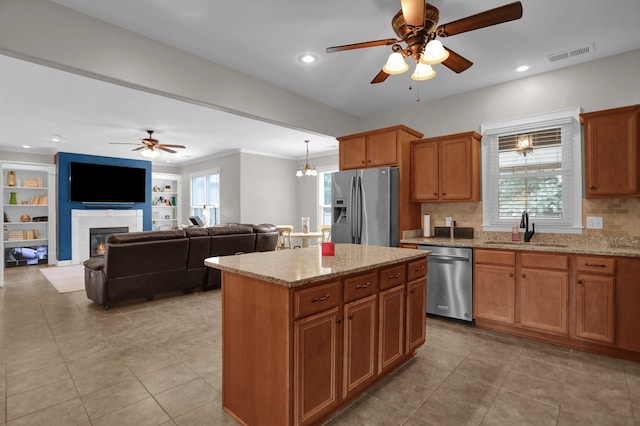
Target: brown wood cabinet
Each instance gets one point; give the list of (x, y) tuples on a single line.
[(542, 295), (582, 301), (446, 168), (416, 332), (594, 299), (494, 286), (612, 157), (390, 146), (392, 317), (360, 344)]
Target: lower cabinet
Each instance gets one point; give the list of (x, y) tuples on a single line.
[(594, 299), (350, 333), (317, 349), (543, 292), (494, 286)]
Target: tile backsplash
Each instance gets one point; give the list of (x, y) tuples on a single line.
[(620, 216)]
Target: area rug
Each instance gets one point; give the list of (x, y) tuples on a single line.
[(65, 278)]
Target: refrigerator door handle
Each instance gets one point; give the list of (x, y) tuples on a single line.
[(352, 208), (360, 210)]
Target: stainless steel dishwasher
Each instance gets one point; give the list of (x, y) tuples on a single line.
[(450, 282)]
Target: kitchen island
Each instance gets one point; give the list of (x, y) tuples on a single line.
[(304, 334)]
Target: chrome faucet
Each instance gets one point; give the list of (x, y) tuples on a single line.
[(524, 224)]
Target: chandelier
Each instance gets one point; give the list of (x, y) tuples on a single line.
[(307, 170)]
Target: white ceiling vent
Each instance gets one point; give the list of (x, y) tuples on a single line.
[(570, 53)]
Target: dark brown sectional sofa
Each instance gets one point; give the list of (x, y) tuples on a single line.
[(141, 264)]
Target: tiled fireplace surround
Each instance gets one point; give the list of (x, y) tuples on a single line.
[(83, 220)]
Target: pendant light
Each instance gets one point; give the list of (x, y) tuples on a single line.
[(307, 170), (150, 153), (434, 53)]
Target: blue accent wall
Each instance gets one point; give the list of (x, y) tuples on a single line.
[(65, 206)]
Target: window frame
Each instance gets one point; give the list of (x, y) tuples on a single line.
[(568, 119), (320, 192), (215, 218)]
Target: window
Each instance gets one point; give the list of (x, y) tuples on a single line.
[(533, 164), (324, 194), (205, 196)]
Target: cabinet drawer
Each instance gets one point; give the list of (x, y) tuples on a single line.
[(416, 269), (317, 299), (360, 286), (391, 277), (495, 257), (544, 261), (595, 264)]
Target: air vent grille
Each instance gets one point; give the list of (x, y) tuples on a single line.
[(570, 53)]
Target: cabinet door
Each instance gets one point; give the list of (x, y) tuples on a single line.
[(416, 313), (360, 331), (494, 293), (382, 149), (455, 169), (595, 307), (424, 171), (611, 153), (391, 327), (543, 298), (316, 366), (352, 153)]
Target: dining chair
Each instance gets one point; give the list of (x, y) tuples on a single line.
[(284, 236), (326, 232)]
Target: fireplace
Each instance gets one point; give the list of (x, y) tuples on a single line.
[(98, 239)]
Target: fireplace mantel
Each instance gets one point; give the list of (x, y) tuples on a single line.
[(83, 220)]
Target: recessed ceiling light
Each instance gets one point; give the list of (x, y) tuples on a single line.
[(167, 161), (522, 68), (307, 58), (26, 146), (57, 137)]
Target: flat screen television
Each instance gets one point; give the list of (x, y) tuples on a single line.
[(102, 183)]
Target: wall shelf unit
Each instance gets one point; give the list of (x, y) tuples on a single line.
[(166, 201), (28, 210)]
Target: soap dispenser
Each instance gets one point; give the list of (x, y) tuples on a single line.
[(515, 235)]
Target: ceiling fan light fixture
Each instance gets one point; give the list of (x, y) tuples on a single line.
[(423, 72), (150, 153), (434, 53), (395, 64)]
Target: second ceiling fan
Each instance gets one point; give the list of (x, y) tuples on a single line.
[(416, 26)]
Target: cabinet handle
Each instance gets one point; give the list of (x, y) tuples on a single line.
[(338, 320), (511, 274), (394, 276), (597, 265), (444, 194), (412, 290), (365, 285), (320, 299), (350, 316), (524, 275), (592, 187), (419, 268), (580, 281), (435, 194)]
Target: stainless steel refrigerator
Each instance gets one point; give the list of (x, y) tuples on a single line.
[(364, 207)]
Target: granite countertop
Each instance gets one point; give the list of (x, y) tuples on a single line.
[(292, 268), (569, 245)]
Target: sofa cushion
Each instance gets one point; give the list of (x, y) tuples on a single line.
[(145, 236), (196, 231), (230, 229)]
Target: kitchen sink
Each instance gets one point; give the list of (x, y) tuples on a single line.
[(519, 243)]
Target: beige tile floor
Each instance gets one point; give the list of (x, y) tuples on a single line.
[(66, 361)]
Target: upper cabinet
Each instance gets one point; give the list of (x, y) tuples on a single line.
[(446, 168), (377, 148), (611, 154)]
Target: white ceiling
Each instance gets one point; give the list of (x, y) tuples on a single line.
[(264, 39)]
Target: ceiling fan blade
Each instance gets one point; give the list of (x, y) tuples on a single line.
[(165, 149), (413, 12), (456, 62), (509, 12), (385, 42), (382, 76), (139, 148), (170, 146)]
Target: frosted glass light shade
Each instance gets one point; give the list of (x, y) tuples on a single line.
[(434, 53), (423, 72), (150, 153), (395, 64)]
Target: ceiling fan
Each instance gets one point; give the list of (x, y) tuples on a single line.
[(416, 26), (150, 144)]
